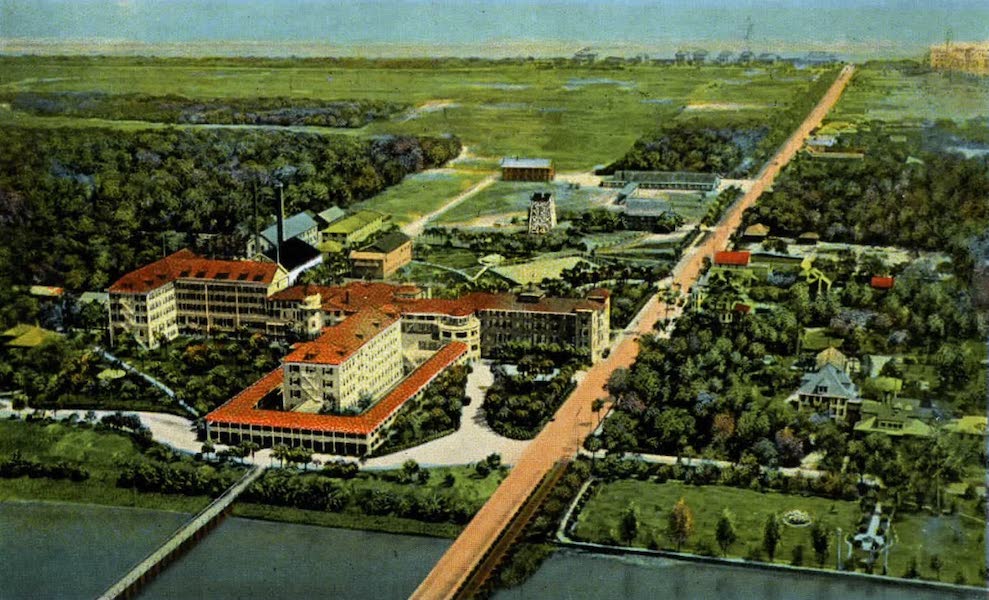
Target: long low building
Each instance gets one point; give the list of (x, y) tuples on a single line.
[(245, 417), (665, 180)]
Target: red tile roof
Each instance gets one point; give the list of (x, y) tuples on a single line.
[(184, 264), (241, 409), (882, 283), (358, 296), (341, 341), (734, 259)]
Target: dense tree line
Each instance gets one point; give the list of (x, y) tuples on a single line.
[(220, 111), (630, 285), (509, 245), (79, 207), (898, 195), (707, 389), (63, 373), (725, 199), (362, 495), (288, 488), (695, 148), (182, 477), (517, 406), (525, 557)]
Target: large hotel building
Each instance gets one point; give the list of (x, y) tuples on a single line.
[(363, 340), (183, 293)]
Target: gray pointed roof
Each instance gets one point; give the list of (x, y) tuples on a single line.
[(828, 381), (294, 226)]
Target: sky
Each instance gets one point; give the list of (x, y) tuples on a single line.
[(901, 23)]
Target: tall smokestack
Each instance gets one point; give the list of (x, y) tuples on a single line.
[(280, 215), (257, 234)]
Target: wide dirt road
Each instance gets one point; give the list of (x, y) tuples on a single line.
[(575, 420)]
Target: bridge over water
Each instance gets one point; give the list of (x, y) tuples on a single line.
[(187, 536)]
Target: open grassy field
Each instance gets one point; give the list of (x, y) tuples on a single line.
[(959, 540), (579, 116), (886, 93), (599, 519), (506, 199), (420, 194), (97, 452)]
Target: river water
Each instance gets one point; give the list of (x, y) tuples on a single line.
[(569, 575), (76, 551)]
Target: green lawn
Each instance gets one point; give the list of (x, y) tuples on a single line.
[(456, 258), (507, 199), (817, 338), (97, 452), (959, 541), (420, 194), (598, 521), (881, 92), (579, 116)]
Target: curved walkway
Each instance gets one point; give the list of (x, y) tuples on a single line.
[(161, 386), (473, 442)]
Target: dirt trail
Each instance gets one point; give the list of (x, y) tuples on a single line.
[(575, 420), (416, 227)]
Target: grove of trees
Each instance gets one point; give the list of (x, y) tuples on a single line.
[(79, 207)]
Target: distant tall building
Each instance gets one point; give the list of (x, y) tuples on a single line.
[(542, 213), (964, 57)]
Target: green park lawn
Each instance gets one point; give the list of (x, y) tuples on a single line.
[(959, 540), (456, 258), (420, 194), (98, 452), (598, 522), (578, 116)]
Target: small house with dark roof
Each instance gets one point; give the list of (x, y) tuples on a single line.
[(296, 256)]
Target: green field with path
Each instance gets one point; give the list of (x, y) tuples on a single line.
[(578, 116)]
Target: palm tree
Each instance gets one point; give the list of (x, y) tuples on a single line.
[(282, 453), (208, 448), (251, 447), (596, 406)]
